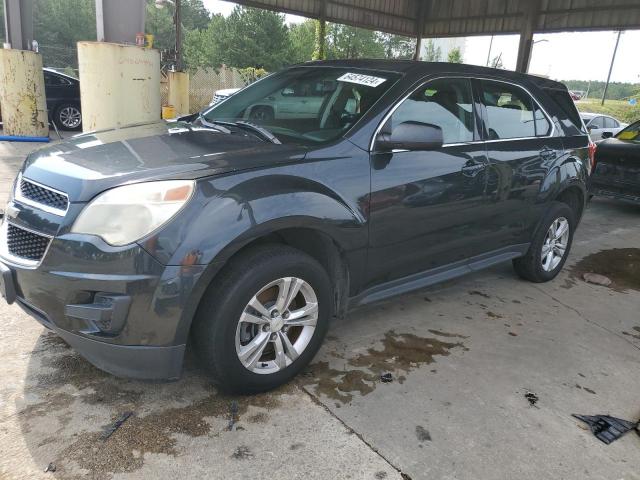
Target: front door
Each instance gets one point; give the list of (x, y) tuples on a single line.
[(428, 208)]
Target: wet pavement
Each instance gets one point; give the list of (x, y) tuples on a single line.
[(485, 373)]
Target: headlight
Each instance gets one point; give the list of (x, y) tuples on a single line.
[(125, 214)]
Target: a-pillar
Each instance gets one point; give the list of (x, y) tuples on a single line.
[(179, 92), (24, 107), (119, 85)]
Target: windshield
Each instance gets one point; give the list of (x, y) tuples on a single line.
[(631, 133), (306, 105)]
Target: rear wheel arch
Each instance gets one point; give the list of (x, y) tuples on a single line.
[(574, 197)]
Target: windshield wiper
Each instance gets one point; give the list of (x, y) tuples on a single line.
[(261, 130), (215, 125)]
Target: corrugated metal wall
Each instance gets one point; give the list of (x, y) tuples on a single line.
[(465, 17)]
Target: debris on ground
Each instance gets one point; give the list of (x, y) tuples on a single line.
[(607, 429), (110, 429), (423, 434), (386, 377), (50, 468), (532, 398), (233, 416), (596, 279), (242, 453)]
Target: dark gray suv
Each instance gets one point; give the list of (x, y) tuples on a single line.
[(243, 229)]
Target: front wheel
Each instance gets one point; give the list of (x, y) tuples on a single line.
[(550, 246), (68, 117), (263, 319)]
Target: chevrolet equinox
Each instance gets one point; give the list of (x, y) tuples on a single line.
[(243, 229)]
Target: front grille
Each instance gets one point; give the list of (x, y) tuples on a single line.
[(25, 244), (43, 196)]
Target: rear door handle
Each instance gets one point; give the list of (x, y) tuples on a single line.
[(472, 168), (548, 154)]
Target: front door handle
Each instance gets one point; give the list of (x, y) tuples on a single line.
[(472, 168)]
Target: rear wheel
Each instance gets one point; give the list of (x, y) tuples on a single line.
[(68, 117), (263, 319), (550, 246)]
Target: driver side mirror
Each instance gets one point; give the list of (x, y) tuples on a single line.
[(411, 136)]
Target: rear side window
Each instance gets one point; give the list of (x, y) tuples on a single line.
[(569, 116), (511, 112), (610, 123), (446, 103)]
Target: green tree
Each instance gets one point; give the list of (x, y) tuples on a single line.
[(202, 47), (320, 40), (455, 56), (397, 46), (345, 41), (194, 14), (63, 23), (302, 37), (432, 53)]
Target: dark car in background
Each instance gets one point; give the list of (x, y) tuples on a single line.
[(245, 234), (63, 99), (617, 172)]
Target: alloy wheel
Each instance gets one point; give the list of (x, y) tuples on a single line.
[(555, 244), (276, 325), (70, 117)]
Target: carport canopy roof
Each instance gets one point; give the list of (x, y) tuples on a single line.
[(449, 18)]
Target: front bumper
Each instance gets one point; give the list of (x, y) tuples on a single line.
[(118, 307)]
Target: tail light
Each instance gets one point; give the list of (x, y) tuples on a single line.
[(592, 155)]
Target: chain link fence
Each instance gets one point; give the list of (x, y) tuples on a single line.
[(202, 85), (62, 59)]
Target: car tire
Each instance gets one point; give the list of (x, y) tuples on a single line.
[(543, 262), (68, 116), (221, 338)]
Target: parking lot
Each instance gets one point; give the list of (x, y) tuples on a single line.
[(463, 357)]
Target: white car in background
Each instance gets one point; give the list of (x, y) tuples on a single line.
[(222, 94), (601, 126)]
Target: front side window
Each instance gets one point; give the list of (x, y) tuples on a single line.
[(306, 105), (597, 122), (510, 112), (446, 103)]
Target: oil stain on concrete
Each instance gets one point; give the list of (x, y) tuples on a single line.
[(400, 354), (621, 265)]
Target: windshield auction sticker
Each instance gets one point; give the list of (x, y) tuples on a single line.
[(361, 79)]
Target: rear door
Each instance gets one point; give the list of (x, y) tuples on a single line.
[(521, 148)]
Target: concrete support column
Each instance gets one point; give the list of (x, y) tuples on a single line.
[(420, 18), (24, 107), (119, 85), (525, 46), (179, 92)]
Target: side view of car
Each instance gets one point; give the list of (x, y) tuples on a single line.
[(63, 99), (601, 126), (244, 238), (617, 172)]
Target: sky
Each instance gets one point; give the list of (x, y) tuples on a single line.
[(562, 56)]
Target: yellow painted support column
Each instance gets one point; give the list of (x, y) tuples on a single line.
[(119, 85), (24, 107), (179, 92)]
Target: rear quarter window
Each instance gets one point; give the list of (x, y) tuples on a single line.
[(567, 111)]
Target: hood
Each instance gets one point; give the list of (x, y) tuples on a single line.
[(88, 164)]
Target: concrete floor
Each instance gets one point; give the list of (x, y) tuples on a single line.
[(463, 355)]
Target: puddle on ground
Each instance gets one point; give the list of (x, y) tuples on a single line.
[(621, 265), (400, 354)]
